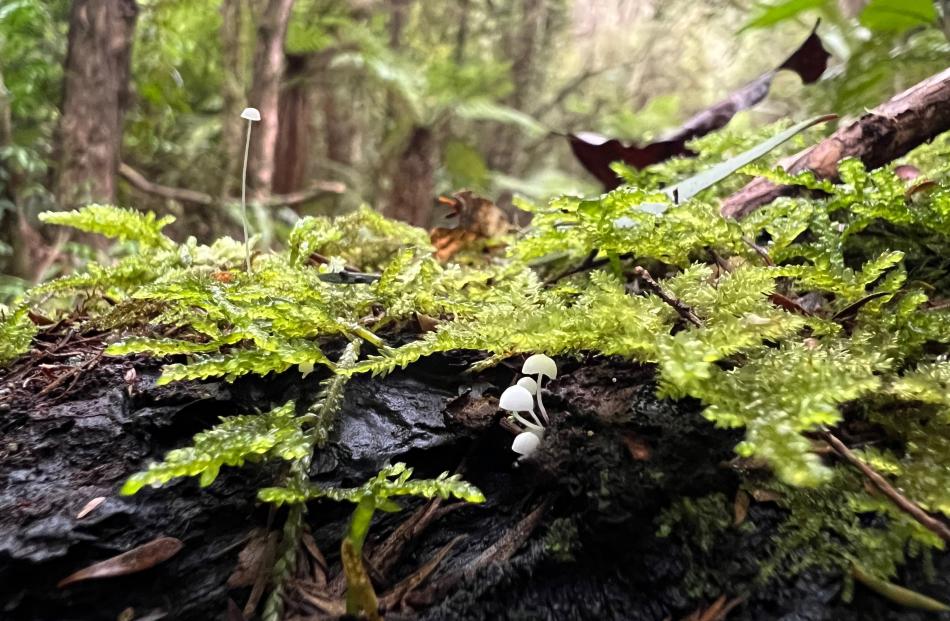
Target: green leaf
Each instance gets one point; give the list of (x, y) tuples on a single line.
[(276, 434), (898, 15), (115, 222), (484, 110), (685, 190), (769, 15)]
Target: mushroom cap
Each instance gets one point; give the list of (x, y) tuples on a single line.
[(529, 384), (251, 114), (526, 443), (540, 364), (516, 399)]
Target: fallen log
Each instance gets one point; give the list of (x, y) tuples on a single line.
[(887, 132)]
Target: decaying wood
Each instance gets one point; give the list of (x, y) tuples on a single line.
[(887, 132), (139, 182)]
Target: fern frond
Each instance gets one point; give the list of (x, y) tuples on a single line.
[(116, 223)]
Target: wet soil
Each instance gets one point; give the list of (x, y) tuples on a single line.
[(568, 534)]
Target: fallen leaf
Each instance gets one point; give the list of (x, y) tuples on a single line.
[(765, 495), (740, 508), (138, 559), (478, 220), (638, 448), (90, 506), (249, 559), (596, 153)]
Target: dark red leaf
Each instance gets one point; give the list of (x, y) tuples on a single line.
[(596, 152)]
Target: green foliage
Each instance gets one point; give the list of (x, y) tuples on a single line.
[(899, 15), (363, 239), (116, 223), (252, 437), (16, 334), (392, 481)]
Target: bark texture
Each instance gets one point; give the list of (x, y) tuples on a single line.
[(295, 130), (95, 97), (887, 132), (265, 93), (413, 180), (232, 128)]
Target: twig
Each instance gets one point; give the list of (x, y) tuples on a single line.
[(684, 311), (903, 503), (588, 263), (139, 182)]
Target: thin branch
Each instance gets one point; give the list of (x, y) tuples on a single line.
[(588, 264), (684, 311), (139, 182), (903, 503)]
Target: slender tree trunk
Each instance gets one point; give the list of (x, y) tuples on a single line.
[(412, 188), (523, 46), (265, 93), (295, 132), (232, 129), (339, 124), (95, 96)]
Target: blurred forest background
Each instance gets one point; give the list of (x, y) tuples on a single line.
[(387, 102)]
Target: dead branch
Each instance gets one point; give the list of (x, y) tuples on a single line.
[(903, 503), (138, 181), (887, 132), (679, 306)]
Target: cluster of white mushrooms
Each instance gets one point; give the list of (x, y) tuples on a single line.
[(520, 398)]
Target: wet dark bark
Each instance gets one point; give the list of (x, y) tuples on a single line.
[(265, 93), (412, 183), (612, 460), (95, 97)]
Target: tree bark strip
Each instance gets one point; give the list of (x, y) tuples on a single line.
[(232, 92), (295, 130), (413, 180), (95, 97), (265, 93), (887, 132)]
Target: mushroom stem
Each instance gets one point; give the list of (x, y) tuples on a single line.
[(526, 423), (247, 149), (544, 413)]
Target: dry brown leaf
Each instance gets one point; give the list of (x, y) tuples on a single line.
[(765, 495), (479, 219), (249, 560), (90, 506), (740, 507), (138, 559), (638, 447)]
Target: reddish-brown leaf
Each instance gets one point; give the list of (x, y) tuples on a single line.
[(138, 559), (596, 152)]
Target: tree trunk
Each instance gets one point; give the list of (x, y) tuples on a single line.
[(232, 129), (95, 96), (887, 132), (412, 188), (265, 93), (523, 47), (295, 130)]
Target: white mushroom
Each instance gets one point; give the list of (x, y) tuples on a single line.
[(517, 399), (251, 114), (526, 443), (529, 384), (542, 366)]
